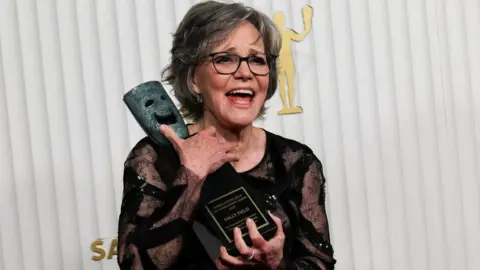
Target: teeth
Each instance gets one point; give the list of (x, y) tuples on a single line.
[(242, 91), (241, 102)]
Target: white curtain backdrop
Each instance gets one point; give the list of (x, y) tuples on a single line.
[(391, 98)]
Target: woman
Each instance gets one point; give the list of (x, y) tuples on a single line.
[(222, 72)]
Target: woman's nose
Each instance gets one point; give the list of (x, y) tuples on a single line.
[(244, 71)]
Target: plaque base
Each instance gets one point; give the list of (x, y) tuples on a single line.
[(226, 202)]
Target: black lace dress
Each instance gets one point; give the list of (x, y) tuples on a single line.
[(289, 173)]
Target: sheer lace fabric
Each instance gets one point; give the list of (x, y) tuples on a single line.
[(289, 175)]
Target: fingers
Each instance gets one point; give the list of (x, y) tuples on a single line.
[(255, 236), (121, 253), (137, 264), (240, 243), (229, 157), (210, 131), (171, 136), (278, 222), (220, 265), (229, 259)]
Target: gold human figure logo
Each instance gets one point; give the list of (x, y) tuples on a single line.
[(287, 66)]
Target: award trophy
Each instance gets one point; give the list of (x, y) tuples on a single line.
[(151, 106), (226, 201)]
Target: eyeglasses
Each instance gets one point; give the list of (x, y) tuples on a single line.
[(227, 63)]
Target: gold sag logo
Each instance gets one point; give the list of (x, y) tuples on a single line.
[(287, 67), (100, 247)]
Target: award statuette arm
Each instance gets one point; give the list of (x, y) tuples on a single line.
[(307, 13), (145, 196)]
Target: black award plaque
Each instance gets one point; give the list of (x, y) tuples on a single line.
[(226, 201)]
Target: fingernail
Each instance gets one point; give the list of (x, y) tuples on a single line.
[(249, 220), (162, 127)]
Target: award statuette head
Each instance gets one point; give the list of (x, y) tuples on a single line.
[(151, 106)]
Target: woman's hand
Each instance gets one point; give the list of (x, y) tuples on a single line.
[(263, 254), (202, 153)]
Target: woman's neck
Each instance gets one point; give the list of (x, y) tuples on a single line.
[(249, 142), (240, 137)]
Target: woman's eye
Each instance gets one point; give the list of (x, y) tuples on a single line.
[(258, 60), (223, 59)]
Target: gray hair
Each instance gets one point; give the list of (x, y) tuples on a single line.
[(205, 24)]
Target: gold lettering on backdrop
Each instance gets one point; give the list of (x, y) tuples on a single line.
[(99, 248), (96, 247), (287, 67), (113, 249)]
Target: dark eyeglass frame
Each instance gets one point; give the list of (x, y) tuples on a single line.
[(270, 58)]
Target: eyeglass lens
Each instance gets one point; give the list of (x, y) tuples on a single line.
[(229, 63)]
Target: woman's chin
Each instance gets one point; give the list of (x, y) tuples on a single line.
[(239, 121)]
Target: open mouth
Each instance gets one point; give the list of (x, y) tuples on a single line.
[(241, 96), (167, 119)]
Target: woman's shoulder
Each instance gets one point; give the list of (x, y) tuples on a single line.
[(144, 146), (283, 143), (147, 148), (162, 159), (290, 150)]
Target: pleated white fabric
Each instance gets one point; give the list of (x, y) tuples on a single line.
[(391, 98)]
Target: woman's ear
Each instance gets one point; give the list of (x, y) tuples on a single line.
[(194, 84)]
